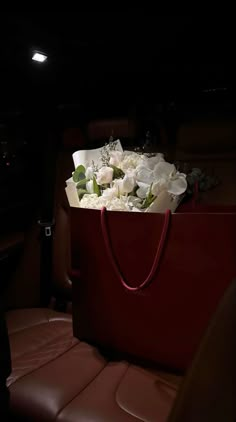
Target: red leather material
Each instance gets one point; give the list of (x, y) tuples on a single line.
[(158, 323), (57, 378), (20, 319), (109, 398)]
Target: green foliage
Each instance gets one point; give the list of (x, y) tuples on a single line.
[(82, 183), (205, 182), (81, 192), (96, 188), (78, 174), (117, 173), (149, 199)]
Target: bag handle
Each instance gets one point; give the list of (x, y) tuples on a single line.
[(114, 260)]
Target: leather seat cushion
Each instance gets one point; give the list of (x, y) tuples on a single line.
[(57, 377)]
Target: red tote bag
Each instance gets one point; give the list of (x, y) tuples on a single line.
[(149, 283)]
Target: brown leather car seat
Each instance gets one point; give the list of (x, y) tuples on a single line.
[(57, 378), (211, 146)]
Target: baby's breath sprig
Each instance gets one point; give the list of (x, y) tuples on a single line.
[(105, 152), (94, 166)]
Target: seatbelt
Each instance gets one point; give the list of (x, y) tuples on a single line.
[(46, 220)]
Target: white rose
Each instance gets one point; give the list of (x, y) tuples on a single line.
[(128, 183), (104, 175), (125, 185)]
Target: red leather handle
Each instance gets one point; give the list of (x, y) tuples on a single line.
[(113, 260)]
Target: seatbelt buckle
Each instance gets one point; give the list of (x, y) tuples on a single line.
[(47, 226)]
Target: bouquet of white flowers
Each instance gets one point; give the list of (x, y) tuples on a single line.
[(124, 180)]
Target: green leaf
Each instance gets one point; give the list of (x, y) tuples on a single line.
[(79, 173), (117, 173), (82, 183), (149, 199), (81, 192), (96, 188), (80, 169)]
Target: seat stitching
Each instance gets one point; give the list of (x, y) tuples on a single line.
[(97, 375), (45, 344), (120, 405), (81, 391), (40, 351), (117, 402), (47, 363)]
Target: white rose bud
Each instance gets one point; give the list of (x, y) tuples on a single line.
[(89, 173), (89, 186)]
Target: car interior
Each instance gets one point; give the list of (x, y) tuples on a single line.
[(74, 345)]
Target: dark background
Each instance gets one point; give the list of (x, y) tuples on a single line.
[(159, 69), (120, 58)]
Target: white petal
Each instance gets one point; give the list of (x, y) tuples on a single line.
[(89, 186), (164, 170), (89, 173), (159, 186), (151, 162), (128, 184), (143, 189), (177, 186), (144, 175), (115, 158)]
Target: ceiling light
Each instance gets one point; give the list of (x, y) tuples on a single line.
[(39, 57)]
